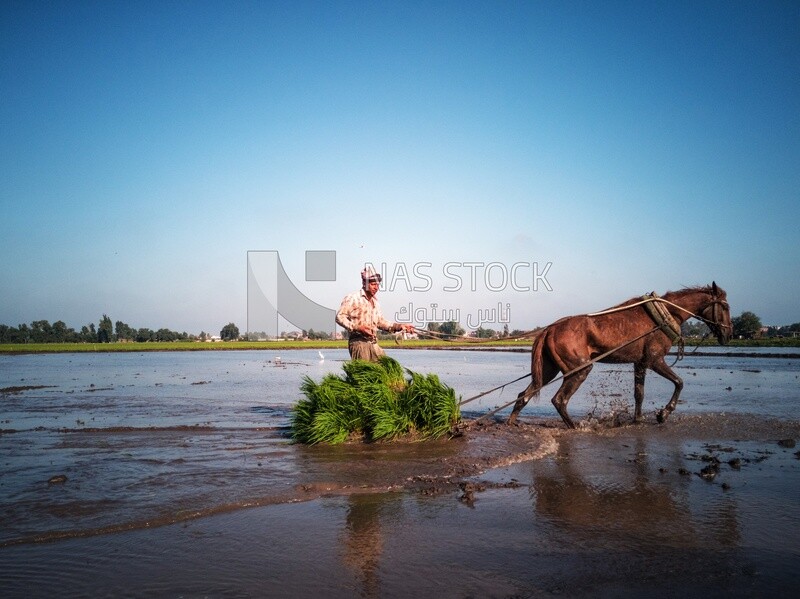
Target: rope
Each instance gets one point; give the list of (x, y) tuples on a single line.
[(449, 337), (460, 339), (670, 330), (681, 352), (479, 395), (662, 300)]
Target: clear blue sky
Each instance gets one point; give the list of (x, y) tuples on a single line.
[(145, 147)]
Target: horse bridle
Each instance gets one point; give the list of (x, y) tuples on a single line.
[(716, 319)]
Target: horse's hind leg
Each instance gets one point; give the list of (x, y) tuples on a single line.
[(549, 372), (567, 389), (522, 400)]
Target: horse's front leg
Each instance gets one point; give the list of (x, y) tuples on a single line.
[(639, 372), (661, 368)]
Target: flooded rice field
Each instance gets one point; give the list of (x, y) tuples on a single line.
[(181, 465)]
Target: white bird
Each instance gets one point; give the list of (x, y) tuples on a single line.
[(321, 357)]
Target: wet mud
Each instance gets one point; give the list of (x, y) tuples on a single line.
[(704, 503), (258, 467)]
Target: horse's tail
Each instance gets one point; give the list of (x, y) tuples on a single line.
[(537, 375)]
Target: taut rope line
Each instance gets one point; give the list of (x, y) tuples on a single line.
[(460, 339), (449, 337)]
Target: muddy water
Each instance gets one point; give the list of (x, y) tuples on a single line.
[(159, 455)]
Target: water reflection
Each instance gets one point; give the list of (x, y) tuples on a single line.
[(364, 538), (643, 503)]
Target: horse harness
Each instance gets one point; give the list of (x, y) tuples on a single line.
[(661, 316)]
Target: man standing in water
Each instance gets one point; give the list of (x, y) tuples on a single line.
[(360, 315)]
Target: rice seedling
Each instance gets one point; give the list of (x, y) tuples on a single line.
[(375, 401)]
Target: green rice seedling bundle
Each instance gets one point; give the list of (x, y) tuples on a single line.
[(375, 401)]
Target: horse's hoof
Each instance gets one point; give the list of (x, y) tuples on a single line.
[(662, 416)]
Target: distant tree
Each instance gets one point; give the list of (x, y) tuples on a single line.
[(12, 334), (166, 335), (60, 332), (230, 332), (88, 333), (312, 334), (482, 333), (145, 334), (41, 331), (105, 332), (434, 327), (124, 331), (746, 325)]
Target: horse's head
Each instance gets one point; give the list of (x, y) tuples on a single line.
[(717, 314)]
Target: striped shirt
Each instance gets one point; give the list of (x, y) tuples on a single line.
[(358, 311)]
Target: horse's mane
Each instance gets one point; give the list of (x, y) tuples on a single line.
[(673, 294), (694, 289)]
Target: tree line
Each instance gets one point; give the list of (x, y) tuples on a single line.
[(748, 326), (745, 326), (41, 331)]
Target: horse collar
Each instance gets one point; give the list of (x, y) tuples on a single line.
[(662, 317)]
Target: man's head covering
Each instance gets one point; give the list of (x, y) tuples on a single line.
[(369, 274)]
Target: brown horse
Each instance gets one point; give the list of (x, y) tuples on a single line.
[(572, 344)]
